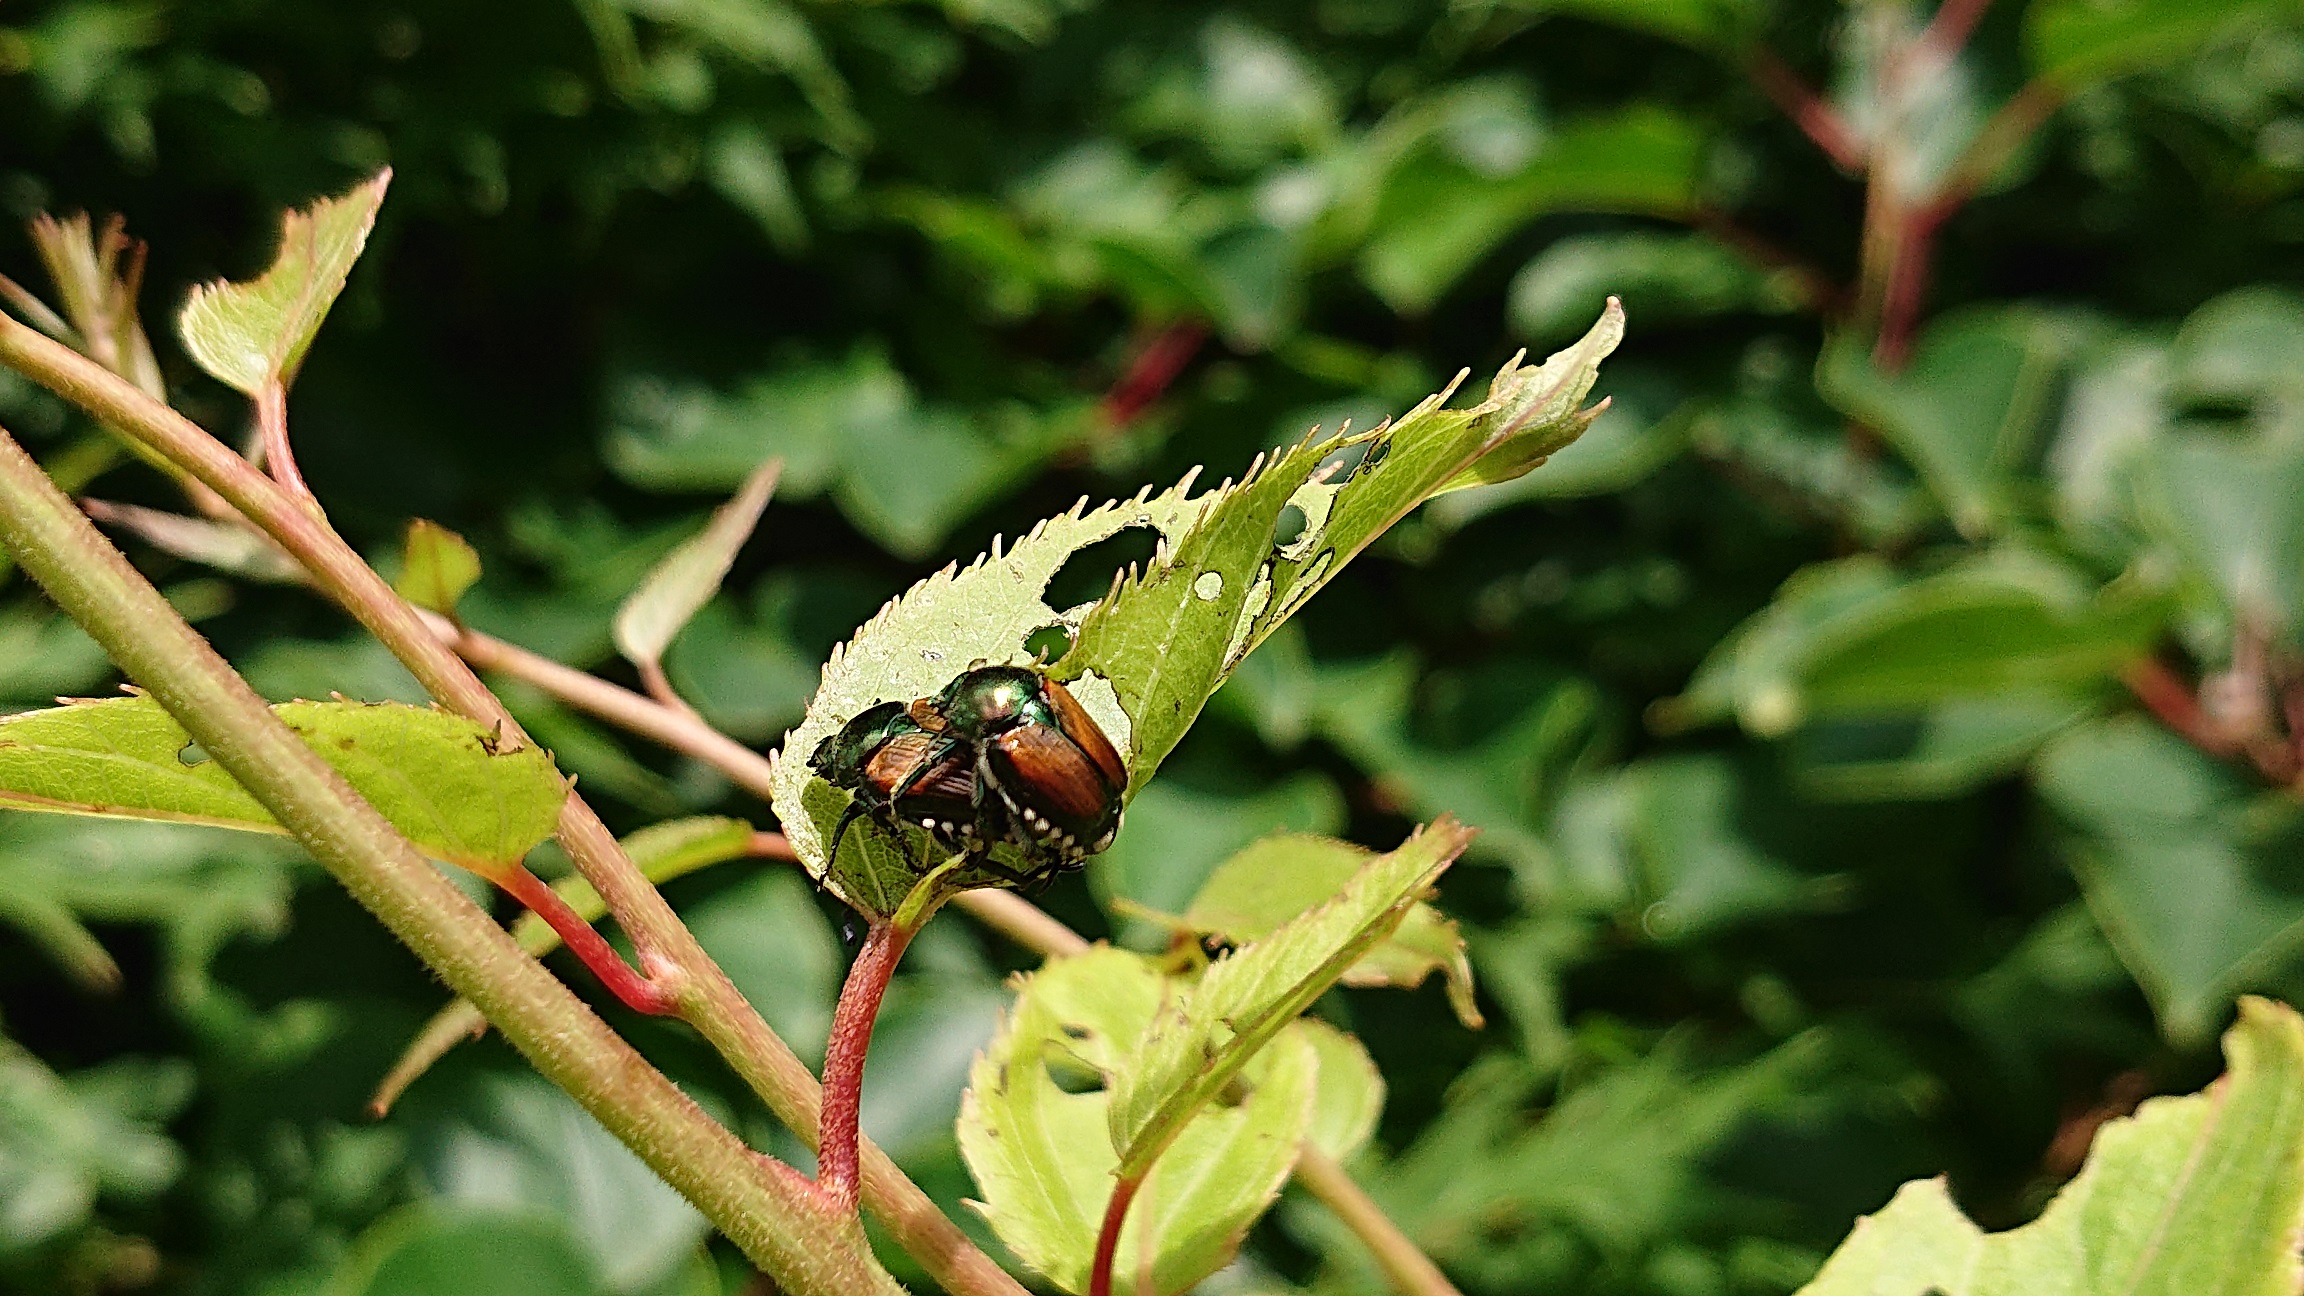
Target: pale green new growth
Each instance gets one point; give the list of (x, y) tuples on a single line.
[(1351, 1093), (1231, 566), (1275, 878), (451, 785), (1198, 1044), (253, 335), (690, 575), (2194, 1195), (1032, 1131), (437, 566)]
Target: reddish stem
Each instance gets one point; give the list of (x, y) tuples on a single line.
[(1154, 367), (635, 991), (860, 996), (1907, 288), (272, 431), (1108, 1237), (2173, 703), (1817, 119)]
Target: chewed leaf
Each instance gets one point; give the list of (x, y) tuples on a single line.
[(2196, 1194), (1231, 566), (1032, 1131), (451, 785), (252, 335), (1200, 1041), (1280, 876), (690, 575)]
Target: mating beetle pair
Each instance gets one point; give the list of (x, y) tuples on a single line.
[(1003, 754)]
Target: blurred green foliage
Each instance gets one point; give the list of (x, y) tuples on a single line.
[(1883, 763)]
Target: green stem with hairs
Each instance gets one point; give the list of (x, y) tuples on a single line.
[(704, 996), (805, 1249)]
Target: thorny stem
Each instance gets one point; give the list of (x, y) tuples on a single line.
[(1108, 1235), (860, 999), (708, 1000), (774, 1224), (631, 988)]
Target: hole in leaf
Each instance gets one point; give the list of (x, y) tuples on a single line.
[(1288, 528), (1344, 462), (1072, 1075), (192, 753), (1087, 575), (1048, 643)]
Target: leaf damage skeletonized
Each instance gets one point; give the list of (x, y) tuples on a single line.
[(1147, 656)]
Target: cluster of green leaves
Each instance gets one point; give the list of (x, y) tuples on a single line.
[(1824, 843)]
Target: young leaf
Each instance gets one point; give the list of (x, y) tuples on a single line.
[(235, 547), (2195, 1194), (1350, 1097), (1032, 1131), (1147, 657), (662, 851), (448, 783), (436, 568), (1200, 1041), (1279, 877), (690, 575), (253, 335)]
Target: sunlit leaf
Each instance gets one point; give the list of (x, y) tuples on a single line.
[(454, 787), (1032, 1128), (2193, 1194), (1200, 1041), (1281, 876), (1350, 1097), (253, 335), (1145, 659), (2076, 43)]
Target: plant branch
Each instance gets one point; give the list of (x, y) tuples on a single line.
[(775, 1225), (1816, 118), (1155, 365), (1005, 912), (1108, 1235), (707, 999), (1411, 1271), (633, 989), (860, 998)]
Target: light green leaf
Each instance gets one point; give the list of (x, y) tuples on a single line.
[(2190, 1195), (662, 851), (1032, 1129), (2077, 43), (253, 335), (2182, 863), (436, 568), (1968, 411), (1851, 638), (1952, 747), (1437, 218), (1659, 276), (2234, 512), (690, 575), (1278, 878), (1199, 1041), (1350, 1097), (1145, 659), (453, 786)]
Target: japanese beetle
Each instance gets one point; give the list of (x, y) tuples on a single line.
[(1040, 758), (1003, 754), (899, 771)]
